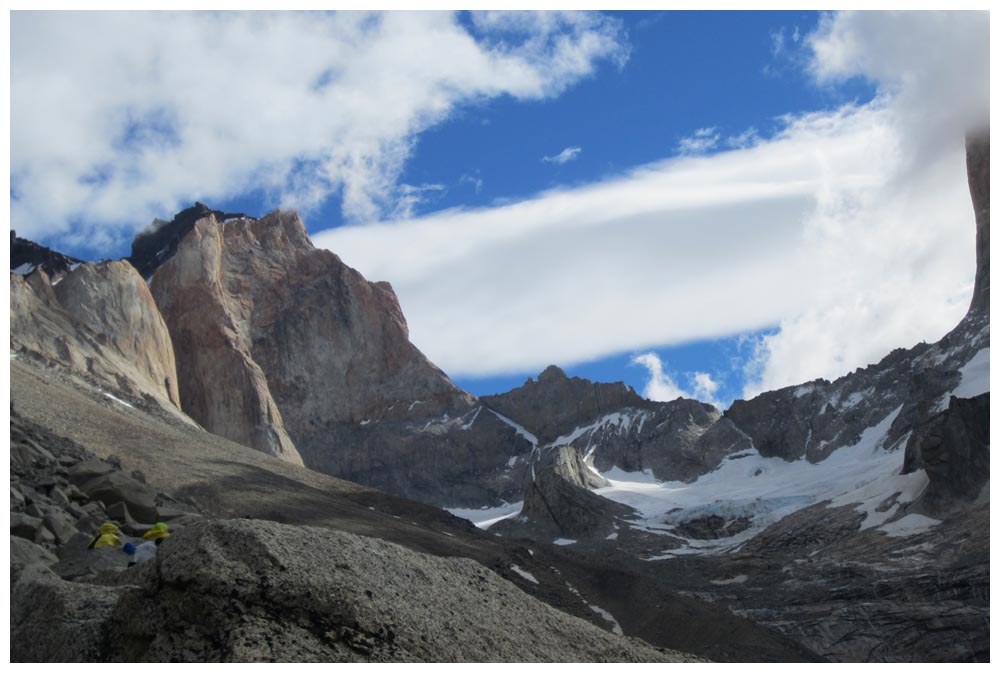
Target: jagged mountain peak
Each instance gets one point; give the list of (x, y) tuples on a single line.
[(26, 256), (158, 242)]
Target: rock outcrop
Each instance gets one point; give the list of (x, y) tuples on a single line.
[(243, 591), (558, 502), (953, 447), (977, 152), (100, 321)]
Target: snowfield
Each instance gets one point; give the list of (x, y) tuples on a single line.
[(766, 490)]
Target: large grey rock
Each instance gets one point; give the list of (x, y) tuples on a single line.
[(118, 487), (24, 553), (260, 591), (24, 525), (53, 620), (60, 524)]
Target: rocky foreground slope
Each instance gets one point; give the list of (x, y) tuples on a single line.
[(63, 426)]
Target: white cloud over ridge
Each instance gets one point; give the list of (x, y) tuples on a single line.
[(851, 229), (117, 117), (661, 387)]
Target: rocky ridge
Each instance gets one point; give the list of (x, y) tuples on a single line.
[(26, 256)]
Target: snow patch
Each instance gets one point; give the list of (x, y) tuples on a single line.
[(487, 516), (519, 428), (524, 573), (474, 417), (366, 421), (110, 396), (415, 403), (616, 628), (911, 524), (607, 616), (975, 376), (24, 269), (739, 579), (562, 541)]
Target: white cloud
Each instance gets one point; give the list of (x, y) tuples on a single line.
[(566, 155), (701, 141), (661, 387), (705, 387), (117, 117), (830, 229)]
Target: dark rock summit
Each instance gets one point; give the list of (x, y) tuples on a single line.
[(26, 256), (556, 404), (158, 242)]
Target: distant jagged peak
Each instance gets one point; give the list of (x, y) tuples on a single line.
[(26, 256)]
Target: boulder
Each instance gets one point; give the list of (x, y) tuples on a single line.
[(24, 525), (118, 487), (87, 470), (61, 524), (24, 553), (58, 621)]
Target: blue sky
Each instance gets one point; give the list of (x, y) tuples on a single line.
[(580, 190)]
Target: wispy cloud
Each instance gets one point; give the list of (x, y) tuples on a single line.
[(747, 138), (849, 230), (472, 179), (701, 141), (566, 155), (117, 117)]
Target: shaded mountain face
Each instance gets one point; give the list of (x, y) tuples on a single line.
[(26, 256), (556, 404)]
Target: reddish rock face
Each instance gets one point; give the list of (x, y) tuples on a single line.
[(262, 321), (99, 321)]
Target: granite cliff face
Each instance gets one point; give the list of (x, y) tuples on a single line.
[(100, 322), (283, 347)]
